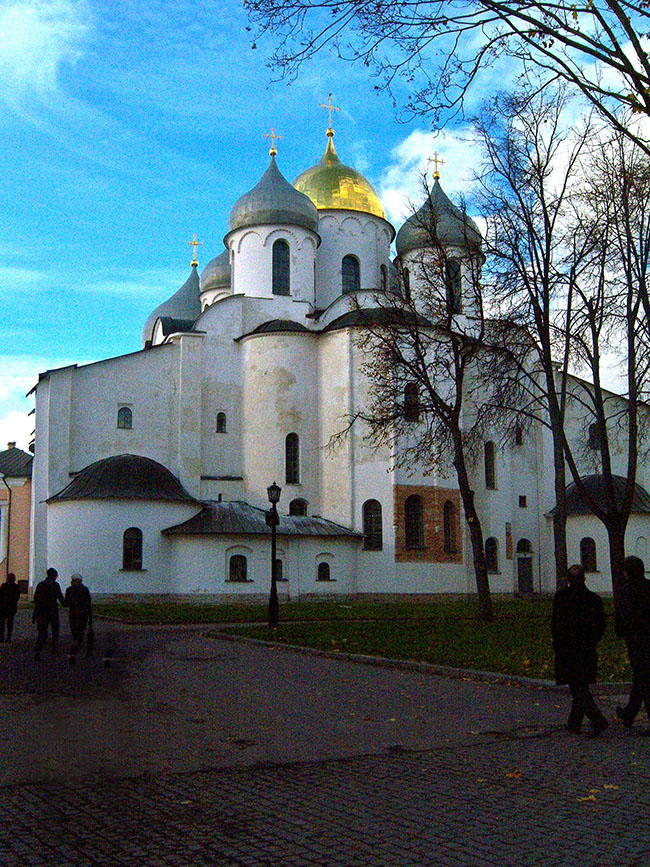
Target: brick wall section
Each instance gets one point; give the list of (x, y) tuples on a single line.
[(433, 501)]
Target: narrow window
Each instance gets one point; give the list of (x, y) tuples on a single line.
[(594, 436), (490, 469), (519, 435), (278, 571), (411, 402), (323, 572), (124, 418), (132, 549), (383, 278), (298, 507), (413, 522), (238, 568), (291, 459), (452, 286), (406, 276), (449, 527), (523, 546), (350, 278), (221, 422), (281, 268), (372, 529), (492, 555), (523, 502), (588, 554)]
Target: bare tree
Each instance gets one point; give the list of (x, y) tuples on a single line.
[(439, 46)]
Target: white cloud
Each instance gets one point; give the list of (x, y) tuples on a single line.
[(19, 277), (36, 38)]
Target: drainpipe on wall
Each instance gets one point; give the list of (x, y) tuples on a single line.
[(4, 481)]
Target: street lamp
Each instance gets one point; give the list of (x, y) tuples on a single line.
[(273, 519)]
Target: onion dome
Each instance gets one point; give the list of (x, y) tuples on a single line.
[(332, 185), (216, 274), (440, 216), (273, 201), (125, 477), (183, 304)]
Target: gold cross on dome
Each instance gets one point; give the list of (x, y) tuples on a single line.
[(328, 105), (438, 162), (272, 135), (194, 244)]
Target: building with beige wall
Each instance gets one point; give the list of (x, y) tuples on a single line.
[(15, 509)]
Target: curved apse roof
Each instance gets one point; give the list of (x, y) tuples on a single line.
[(125, 477), (595, 484)]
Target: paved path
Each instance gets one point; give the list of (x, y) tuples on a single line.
[(192, 750)]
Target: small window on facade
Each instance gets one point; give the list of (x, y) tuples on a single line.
[(406, 275), (413, 522), (523, 546), (350, 277), (492, 555), (372, 529), (588, 554), (292, 459), (221, 422), (449, 527), (323, 573), (490, 468), (124, 418), (298, 507), (519, 435), (279, 571), (594, 438), (523, 502), (453, 286), (411, 402), (132, 549), (383, 278), (281, 268), (238, 568)]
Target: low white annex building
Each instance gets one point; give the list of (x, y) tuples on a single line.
[(150, 469)]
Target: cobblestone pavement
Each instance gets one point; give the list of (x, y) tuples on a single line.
[(352, 773)]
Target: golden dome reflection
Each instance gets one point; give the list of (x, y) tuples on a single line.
[(330, 184)]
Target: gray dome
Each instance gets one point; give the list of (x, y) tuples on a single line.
[(216, 274), (183, 304), (273, 200), (437, 213)]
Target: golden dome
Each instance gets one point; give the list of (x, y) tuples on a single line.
[(330, 184)]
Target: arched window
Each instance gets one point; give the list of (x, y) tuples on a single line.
[(453, 286), (124, 418), (132, 549), (523, 546), (238, 568), (350, 278), (593, 441), (492, 554), (490, 467), (298, 507), (383, 278), (588, 554), (281, 268), (519, 435), (406, 278), (641, 549), (413, 522), (221, 422), (449, 527), (323, 573), (279, 570), (372, 529), (411, 402), (292, 459)]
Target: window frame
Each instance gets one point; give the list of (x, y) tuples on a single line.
[(292, 459), (221, 422), (132, 550), (453, 286), (411, 402), (232, 569), (449, 544), (588, 554), (414, 523), (372, 519), (298, 507), (353, 278), (489, 459), (122, 413), (492, 555), (281, 267)]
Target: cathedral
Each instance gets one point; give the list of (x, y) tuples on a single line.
[(151, 469)]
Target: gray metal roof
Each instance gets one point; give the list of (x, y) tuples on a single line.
[(376, 316), (437, 218), (273, 200), (183, 304), (125, 477), (216, 274), (239, 518), (595, 484), (174, 326), (15, 463)]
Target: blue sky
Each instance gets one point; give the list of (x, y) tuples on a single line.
[(127, 127)]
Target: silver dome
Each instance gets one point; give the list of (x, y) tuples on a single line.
[(216, 274), (183, 304), (438, 214)]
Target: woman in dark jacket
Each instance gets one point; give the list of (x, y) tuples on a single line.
[(9, 595), (577, 627)]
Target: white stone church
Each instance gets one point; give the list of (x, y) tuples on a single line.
[(151, 469)]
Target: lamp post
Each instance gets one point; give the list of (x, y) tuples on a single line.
[(273, 519)]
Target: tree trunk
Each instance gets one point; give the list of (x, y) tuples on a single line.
[(616, 538), (559, 518)]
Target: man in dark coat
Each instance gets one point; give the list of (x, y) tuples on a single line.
[(632, 622), (80, 612), (46, 611), (9, 595), (577, 627)]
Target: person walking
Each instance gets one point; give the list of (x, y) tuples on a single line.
[(9, 595), (80, 613), (632, 622), (578, 625), (46, 611)]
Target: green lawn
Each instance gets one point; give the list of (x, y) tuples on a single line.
[(445, 632)]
